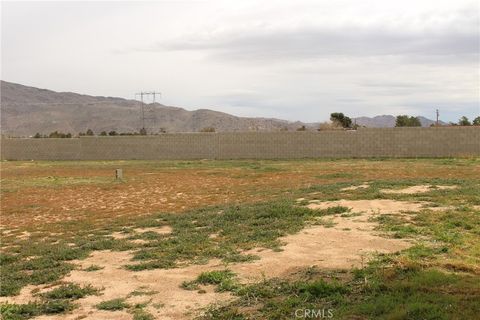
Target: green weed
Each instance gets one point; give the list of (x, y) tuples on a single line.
[(112, 305), (70, 291)]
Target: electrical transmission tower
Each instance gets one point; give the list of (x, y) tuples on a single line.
[(147, 111)]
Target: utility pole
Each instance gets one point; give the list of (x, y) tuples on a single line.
[(438, 114), (154, 93), (142, 107), (142, 94)]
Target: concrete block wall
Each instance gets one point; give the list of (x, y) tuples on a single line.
[(374, 142)]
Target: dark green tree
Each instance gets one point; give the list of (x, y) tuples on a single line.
[(56, 134), (113, 133), (90, 132), (341, 120), (103, 133), (463, 121), (476, 121), (406, 121)]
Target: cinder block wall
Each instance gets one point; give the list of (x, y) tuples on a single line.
[(375, 142)]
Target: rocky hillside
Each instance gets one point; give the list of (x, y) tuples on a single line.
[(28, 110)]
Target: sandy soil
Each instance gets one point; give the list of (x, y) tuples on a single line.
[(362, 186), (418, 189), (370, 206)]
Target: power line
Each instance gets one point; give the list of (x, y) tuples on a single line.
[(150, 111)]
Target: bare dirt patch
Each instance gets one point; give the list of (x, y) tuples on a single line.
[(119, 235), (418, 189), (24, 296), (349, 243), (370, 206), (351, 188), (24, 235), (327, 248), (159, 230)]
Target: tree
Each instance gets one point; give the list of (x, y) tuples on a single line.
[(341, 120), (56, 134), (37, 135), (463, 121), (208, 129), (406, 121), (113, 133), (90, 132), (476, 121), (103, 133)]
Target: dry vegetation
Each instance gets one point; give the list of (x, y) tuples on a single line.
[(384, 238)]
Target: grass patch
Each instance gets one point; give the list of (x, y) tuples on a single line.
[(223, 279), (56, 301), (279, 298), (70, 291), (327, 223), (141, 314), (335, 210), (237, 228), (142, 292), (378, 291), (338, 175), (43, 262), (93, 268), (397, 227), (113, 305), (34, 309)]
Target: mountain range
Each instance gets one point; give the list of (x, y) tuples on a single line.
[(27, 110)]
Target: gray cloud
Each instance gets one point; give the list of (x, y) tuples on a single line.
[(457, 41)]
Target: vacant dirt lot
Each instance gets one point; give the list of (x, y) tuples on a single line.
[(35, 194), (143, 241)]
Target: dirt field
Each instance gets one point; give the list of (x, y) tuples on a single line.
[(360, 239)]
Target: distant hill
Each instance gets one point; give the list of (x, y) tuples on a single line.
[(386, 121), (27, 110)]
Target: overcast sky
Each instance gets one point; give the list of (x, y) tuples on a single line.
[(296, 60)]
